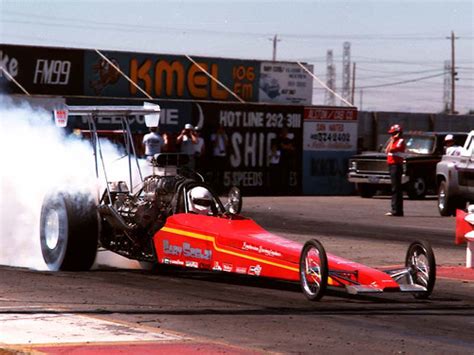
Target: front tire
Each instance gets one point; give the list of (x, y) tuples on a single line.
[(417, 188), (313, 270), (69, 230), (421, 261), (446, 204)]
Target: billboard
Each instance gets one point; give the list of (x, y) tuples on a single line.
[(169, 76), (250, 137), (285, 83), (330, 139), (77, 72), (41, 70)]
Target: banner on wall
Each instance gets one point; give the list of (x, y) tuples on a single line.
[(77, 72), (173, 115), (254, 147), (330, 138), (170, 76), (41, 70), (330, 129), (285, 83)]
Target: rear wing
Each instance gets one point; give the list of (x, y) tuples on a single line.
[(150, 111)]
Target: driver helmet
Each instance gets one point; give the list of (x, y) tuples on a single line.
[(201, 200), (396, 128)]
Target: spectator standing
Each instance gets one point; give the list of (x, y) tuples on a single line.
[(199, 149), (220, 144), (395, 147), (153, 142), (274, 169), (187, 140), (450, 147), (287, 159)]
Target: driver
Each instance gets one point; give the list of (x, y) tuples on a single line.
[(200, 201)]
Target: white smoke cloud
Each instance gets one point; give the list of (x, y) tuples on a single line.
[(36, 157)]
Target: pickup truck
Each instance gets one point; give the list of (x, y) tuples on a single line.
[(369, 170), (455, 179)]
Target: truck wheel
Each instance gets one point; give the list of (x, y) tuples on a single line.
[(69, 230), (417, 188), (446, 204), (313, 270), (366, 190)]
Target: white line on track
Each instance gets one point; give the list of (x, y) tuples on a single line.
[(17, 329)]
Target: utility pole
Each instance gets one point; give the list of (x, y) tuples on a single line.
[(360, 97), (346, 71), (353, 82), (275, 40), (447, 87), (330, 99), (453, 73)]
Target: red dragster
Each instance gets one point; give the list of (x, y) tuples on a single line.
[(175, 218)]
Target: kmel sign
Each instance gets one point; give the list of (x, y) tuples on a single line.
[(170, 76), (41, 70), (255, 132)]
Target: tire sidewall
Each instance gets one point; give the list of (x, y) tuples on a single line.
[(54, 257), (428, 251), (313, 243)]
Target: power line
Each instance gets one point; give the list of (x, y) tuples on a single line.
[(400, 82)]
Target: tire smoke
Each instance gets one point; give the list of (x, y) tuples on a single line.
[(35, 158)]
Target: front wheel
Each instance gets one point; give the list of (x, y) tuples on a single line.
[(446, 204), (313, 270), (420, 261), (69, 229), (417, 188)]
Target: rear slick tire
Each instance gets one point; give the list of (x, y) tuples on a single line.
[(313, 270), (69, 230)]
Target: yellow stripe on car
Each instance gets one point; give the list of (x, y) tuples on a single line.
[(226, 251)]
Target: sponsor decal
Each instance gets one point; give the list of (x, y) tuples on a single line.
[(216, 266), (241, 270), (10, 64), (186, 250), (173, 262), (52, 72), (260, 249), (227, 267), (255, 270), (193, 264)]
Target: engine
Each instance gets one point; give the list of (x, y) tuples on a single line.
[(130, 223)]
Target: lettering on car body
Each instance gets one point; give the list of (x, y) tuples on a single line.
[(260, 249)]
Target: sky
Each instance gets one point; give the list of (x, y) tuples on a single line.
[(399, 47)]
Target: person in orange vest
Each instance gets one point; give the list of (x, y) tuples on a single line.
[(395, 147)]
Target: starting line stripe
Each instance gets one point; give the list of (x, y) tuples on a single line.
[(30, 329)]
